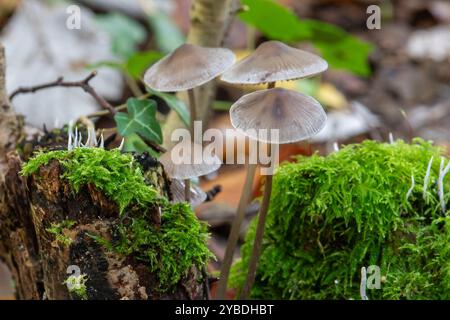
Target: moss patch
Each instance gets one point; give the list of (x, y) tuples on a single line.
[(77, 285), (169, 249), (110, 171), (57, 230), (330, 216), (181, 241)]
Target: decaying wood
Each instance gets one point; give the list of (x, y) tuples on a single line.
[(11, 127), (39, 263)]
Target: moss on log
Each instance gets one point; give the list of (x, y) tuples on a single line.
[(93, 224)]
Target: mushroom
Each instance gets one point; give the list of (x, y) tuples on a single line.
[(184, 163), (275, 61), (187, 67), (178, 190), (272, 61), (296, 117)]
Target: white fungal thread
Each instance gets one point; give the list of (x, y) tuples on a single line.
[(362, 287), (102, 141), (75, 139), (88, 140), (121, 144), (442, 172), (70, 130), (391, 138), (427, 177), (336, 146), (75, 143), (94, 142), (80, 138), (408, 194)]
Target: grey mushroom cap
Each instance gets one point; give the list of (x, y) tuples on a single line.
[(187, 67), (296, 116), (275, 61), (184, 162)]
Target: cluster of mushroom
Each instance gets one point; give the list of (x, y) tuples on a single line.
[(186, 68), (294, 116)]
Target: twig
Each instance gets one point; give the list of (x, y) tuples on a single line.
[(155, 146), (118, 108), (83, 84)]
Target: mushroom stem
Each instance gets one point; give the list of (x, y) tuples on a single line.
[(256, 252), (187, 190), (271, 85), (234, 233), (193, 112)]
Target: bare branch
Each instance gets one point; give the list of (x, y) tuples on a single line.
[(83, 84)]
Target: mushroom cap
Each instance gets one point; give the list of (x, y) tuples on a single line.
[(275, 61), (296, 116), (197, 164), (187, 67)]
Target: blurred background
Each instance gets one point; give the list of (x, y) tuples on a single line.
[(391, 82)]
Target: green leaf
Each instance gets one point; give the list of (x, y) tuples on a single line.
[(341, 49), (167, 35), (273, 20), (126, 34), (135, 143), (140, 61), (141, 119), (175, 104)]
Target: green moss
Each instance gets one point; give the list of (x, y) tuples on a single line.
[(170, 249), (57, 230), (330, 216), (110, 171), (77, 285)]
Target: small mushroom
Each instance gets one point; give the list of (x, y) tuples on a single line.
[(187, 67), (190, 164), (275, 61), (272, 61), (296, 117), (178, 189)]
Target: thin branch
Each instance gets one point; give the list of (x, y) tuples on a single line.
[(118, 108), (83, 84)]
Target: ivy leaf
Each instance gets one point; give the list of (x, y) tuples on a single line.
[(140, 119), (175, 104), (341, 49)]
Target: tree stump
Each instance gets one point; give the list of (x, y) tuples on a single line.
[(40, 265)]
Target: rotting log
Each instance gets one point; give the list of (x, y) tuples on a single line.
[(40, 265)]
